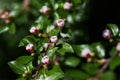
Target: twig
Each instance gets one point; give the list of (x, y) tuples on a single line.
[(37, 71), (103, 68)]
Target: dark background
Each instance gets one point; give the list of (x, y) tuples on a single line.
[(101, 13)]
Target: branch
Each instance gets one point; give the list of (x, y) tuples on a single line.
[(37, 71), (103, 68)]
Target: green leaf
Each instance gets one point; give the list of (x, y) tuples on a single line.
[(51, 52), (17, 67), (79, 48), (3, 29), (99, 49), (72, 61), (30, 67), (49, 29), (54, 74), (65, 35), (115, 62), (109, 75), (76, 75), (21, 79), (24, 59), (66, 48), (113, 51), (12, 28), (114, 28), (119, 34), (26, 40), (70, 19), (40, 45), (91, 68), (54, 32)]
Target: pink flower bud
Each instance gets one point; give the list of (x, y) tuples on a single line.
[(67, 6), (53, 39), (85, 53), (45, 60), (107, 34), (118, 47), (33, 30), (30, 47), (45, 10), (60, 23)]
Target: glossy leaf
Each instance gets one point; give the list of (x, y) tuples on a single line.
[(113, 51), (54, 32), (21, 79), (76, 75), (115, 62), (26, 40), (66, 48), (99, 49), (114, 28), (17, 67), (24, 59), (79, 48), (12, 28), (64, 35), (54, 74), (51, 52), (109, 75), (91, 68), (72, 61), (30, 67), (3, 29)]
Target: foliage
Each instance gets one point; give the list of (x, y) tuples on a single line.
[(53, 35)]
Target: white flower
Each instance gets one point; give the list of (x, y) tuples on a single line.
[(60, 22), (33, 30), (67, 6), (53, 39), (45, 60), (85, 53), (118, 47), (30, 47)]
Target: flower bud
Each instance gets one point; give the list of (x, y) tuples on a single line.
[(45, 60), (33, 30), (30, 47), (6, 15), (45, 10), (118, 47), (107, 34), (85, 53), (7, 21), (60, 23), (67, 6), (53, 39)]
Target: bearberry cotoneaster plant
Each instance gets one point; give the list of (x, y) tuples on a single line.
[(51, 47)]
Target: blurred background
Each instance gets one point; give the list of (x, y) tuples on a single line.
[(98, 12)]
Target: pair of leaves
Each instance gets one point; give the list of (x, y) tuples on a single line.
[(20, 64)]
